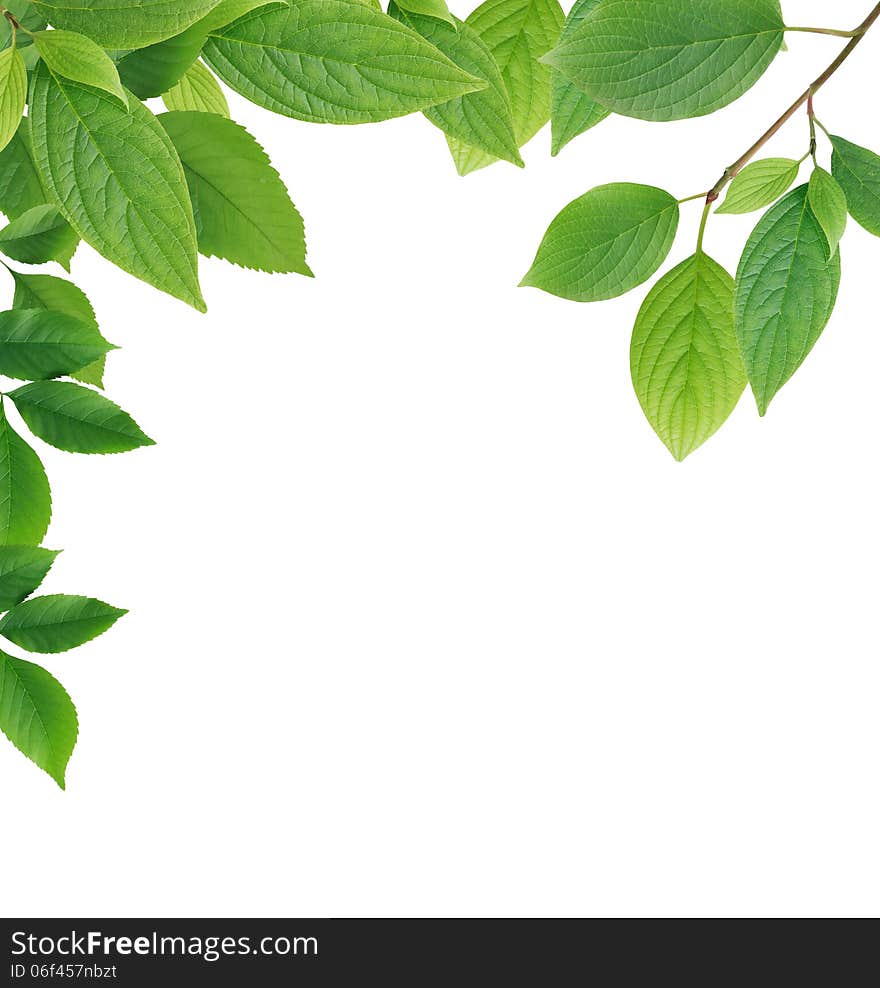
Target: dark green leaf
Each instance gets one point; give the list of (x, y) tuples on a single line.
[(20, 187), (38, 236), (38, 344), (857, 170), (58, 623), (22, 569), (25, 501)]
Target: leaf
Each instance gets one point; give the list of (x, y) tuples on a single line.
[(38, 344), (760, 184), (518, 33), (37, 715), (124, 24), (26, 15), (20, 187), (785, 292), (605, 243), (197, 90), (328, 61), (857, 171), (13, 93), (25, 501), (78, 58), (76, 419), (58, 623), (38, 236), (427, 8), (685, 363), (116, 177), (483, 119), (44, 291), (242, 209), (828, 203), (572, 112), (670, 59), (22, 569)]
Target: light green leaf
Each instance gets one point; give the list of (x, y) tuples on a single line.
[(76, 419), (785, 292), (58, 623), (13, 93), (483, 120), (670, 59), (197, 90), (857, 171), (329, 61), (25, 501), (37, 715), (124, 24), (828, 202), (22, 569), (685, 363), (427, 8), (605, 243), (20, 187), (38, 236), (760, 184), (76, 57), (116, 177), (242, 209), (228, 11), (572, 112), (38, 344), (44, 291)]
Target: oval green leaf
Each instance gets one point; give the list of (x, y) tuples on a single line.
[(197, 90), (760, 184), (857, 170), (58, 622), (38, 344), (13, 93), (76, 57), (39, 236), (25, 500), (828, 202), (22, 569)]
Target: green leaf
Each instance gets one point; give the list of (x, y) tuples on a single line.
[(785, 292), (228, 11), (13, 93), (76, 419), (329, 61), (38, 236), (572, 112), (518, 33), (25, 501), (828, 202), (686, 367), (760, 184), (483, 120), (26, 15), (76, 57), (124, 23), (116, 177), (58, 623), (242, 209), (38, 344), (22, 569), (427, 8), (857, 170), (20, 186), (37, 715), (197, 90), (670, 59), (605, 243)]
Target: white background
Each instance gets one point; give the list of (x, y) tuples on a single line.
[(425, 620)]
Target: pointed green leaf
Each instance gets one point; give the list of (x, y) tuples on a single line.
[(22, 569), (124, 24), (685, 363), (37, 715), (76, 419), (760, 184), (605, 243), (154, 70), (197, 90), (785, 292), (58, 622), (116, 177), (329, 61), (76, 57), (572, 112), (427, 8), (828, 202), (13, 93), (25, 501), (38, 344), (242, 209), (38, 236), (483, 120), (670, 59), (20, 186), (857, 170)]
